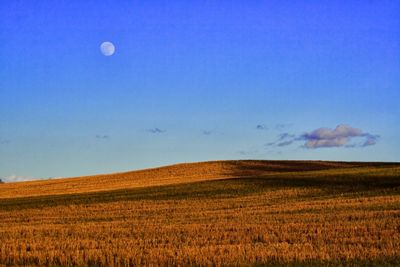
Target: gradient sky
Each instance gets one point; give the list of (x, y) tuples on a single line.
[(193, 81)]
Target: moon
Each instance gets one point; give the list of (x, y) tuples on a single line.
[(107, 48)]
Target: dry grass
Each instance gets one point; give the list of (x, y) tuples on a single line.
[(175, 174), (270, 213)]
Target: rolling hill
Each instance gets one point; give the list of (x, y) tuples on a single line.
[(174, 174), (209, 213)]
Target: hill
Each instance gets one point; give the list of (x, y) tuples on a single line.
[(174, 174), (209, 213)]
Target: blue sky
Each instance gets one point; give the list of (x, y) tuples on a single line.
[(192, 80)]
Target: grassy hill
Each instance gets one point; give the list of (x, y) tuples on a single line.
[(208, 213), (174, 174)]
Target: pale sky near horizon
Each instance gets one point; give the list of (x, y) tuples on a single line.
[(193, 81)]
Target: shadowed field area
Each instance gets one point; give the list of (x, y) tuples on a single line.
[(174, 174), (212, 213)]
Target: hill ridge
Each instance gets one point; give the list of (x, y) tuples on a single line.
[(172, 174)]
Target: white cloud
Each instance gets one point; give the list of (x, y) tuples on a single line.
[(341, 136), (15, 178), (156, 130)]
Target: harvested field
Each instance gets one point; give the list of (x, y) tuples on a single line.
[(212, 213)]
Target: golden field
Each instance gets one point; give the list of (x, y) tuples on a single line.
[(221, 213)]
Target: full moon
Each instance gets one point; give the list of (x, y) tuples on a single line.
[(107, 48)]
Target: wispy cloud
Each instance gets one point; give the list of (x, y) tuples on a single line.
[(248, 152), (284, 136), (4, 141), (285, 143), (282, 126), (283, 139), (371, 140), (341, 136), (15, 178), (102, 136), (156, 130), (277, 127), (261, 127), (206, 132)]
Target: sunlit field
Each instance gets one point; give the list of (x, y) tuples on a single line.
[(234, 213)]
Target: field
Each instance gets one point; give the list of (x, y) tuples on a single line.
[(235, 213)]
